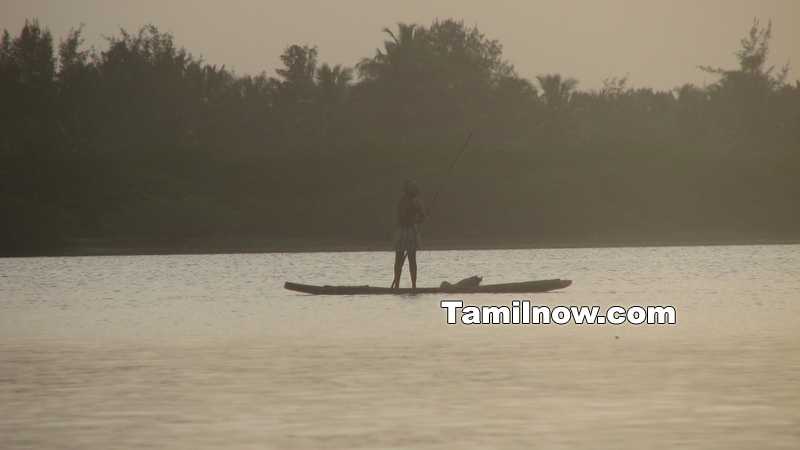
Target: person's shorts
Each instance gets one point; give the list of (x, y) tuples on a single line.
[(406, 239)]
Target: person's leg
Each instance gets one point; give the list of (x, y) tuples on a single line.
[(399, 260), (412, 267)]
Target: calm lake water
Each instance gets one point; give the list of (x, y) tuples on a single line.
[(210, 352)]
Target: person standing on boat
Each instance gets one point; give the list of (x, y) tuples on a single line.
[(410, 213)]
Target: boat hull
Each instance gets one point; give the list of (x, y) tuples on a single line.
[(524, 287)]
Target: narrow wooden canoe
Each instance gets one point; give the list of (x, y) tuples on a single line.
[(524, 287)]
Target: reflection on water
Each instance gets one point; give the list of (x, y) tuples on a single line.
[(208, 351)]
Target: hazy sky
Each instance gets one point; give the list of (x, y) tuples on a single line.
[(656, 43)]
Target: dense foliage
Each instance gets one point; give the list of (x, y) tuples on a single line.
[(142, 142)]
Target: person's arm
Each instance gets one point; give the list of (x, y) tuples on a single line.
[(420, 211), (398, 212)]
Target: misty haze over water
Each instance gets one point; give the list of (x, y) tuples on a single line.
[(208, 351)]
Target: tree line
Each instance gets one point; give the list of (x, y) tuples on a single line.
[(143, 142)]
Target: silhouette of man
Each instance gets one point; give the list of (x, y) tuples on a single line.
[(410, 213)]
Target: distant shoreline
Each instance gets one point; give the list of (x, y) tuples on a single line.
[(108, 247)]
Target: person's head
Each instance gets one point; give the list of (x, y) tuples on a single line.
[(410, 188)]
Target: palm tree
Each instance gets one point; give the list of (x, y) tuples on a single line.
[(404, 50), (556, 91), (333, 83)]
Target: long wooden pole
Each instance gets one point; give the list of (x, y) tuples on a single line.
[(449, 171)]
